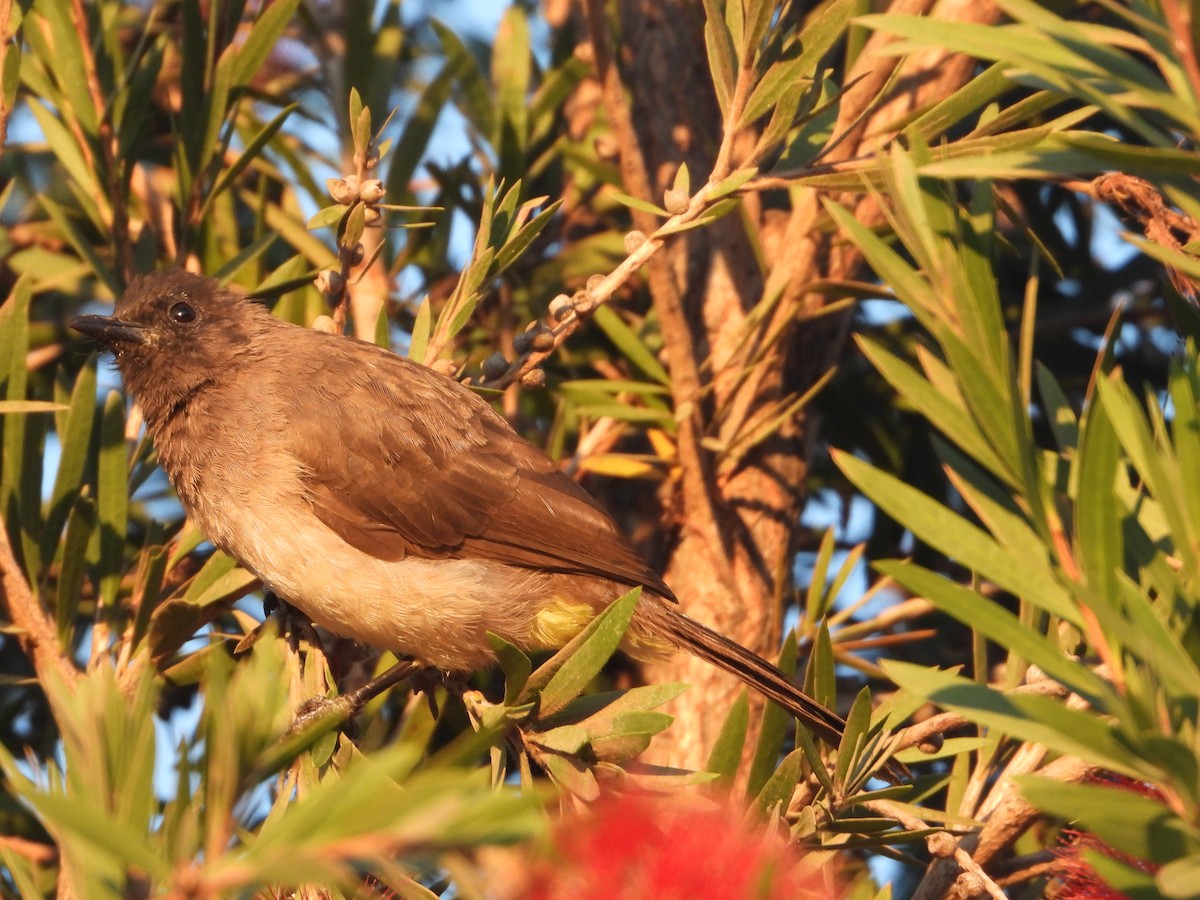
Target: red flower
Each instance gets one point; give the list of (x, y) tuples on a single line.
[(1074, 878), (642, 847)]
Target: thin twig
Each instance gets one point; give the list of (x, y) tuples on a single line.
[(1179, 22), (939, 845), (6, 35)]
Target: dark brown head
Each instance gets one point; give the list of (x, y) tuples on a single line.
[(174, 332)]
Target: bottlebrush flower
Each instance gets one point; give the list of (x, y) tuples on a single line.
[(643, 847)]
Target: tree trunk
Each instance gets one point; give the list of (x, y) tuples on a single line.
[(731, 564)]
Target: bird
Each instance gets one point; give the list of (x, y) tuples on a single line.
[(387, 502)]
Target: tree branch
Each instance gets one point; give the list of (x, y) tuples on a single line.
[(36, 633)]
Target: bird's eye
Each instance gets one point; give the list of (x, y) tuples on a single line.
[(182, 313)]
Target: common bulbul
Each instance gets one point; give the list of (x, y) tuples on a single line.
[(387, 502)]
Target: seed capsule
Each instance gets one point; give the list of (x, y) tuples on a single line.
[(495, 366)]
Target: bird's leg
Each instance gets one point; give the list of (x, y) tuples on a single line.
[(429, 678), (346, 706), (291, 626)]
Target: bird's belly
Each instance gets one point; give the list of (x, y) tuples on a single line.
[(435, 610)]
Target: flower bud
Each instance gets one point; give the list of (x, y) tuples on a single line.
[(372, 191), (676, 201), (343, 190)]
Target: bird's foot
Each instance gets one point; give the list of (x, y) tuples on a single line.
[(293, 624), (427, 679)]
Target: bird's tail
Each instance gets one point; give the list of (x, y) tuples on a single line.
[(708, 645)]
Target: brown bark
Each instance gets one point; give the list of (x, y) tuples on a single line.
[(737, 526), (35, 629)]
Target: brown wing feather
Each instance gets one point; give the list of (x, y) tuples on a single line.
[(432, 471)]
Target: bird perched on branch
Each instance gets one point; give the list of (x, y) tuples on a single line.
[(385, 501)]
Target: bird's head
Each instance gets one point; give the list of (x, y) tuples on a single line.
[(173, 331)]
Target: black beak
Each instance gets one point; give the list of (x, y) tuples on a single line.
[(110, 330)]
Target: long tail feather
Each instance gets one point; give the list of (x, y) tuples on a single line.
[(755, 671)]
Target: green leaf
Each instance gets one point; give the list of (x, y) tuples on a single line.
[(519, 243), (564, 739), (1099, 514), (728, 185), (263, 37), (777, 792), (974, 95), (598, 642), (773, 728), (823, 27), (24, 407), (997, 624), (783, 77), (632, 346), (1026, 717), (475, 97), (112, 491), (726, 753), (783, 117), (572, 774), (81, 245), (640, 205), (950, 418), (421, 332), (177, 619), (962, 541), (1059, 414), (715, 211), (511, 62), (821, 675), (229, 270), (891, 268), (69, 68), (1155, 463), (515, 665), (81, 522), (557, 85), (604, 713), (327, 216), (353, 226), (682, 183), (1179, 877), (413, 141), (1141, 826), (722, 54), (74, 441), (252, 151)]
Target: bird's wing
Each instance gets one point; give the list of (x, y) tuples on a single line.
[(426, 468)]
